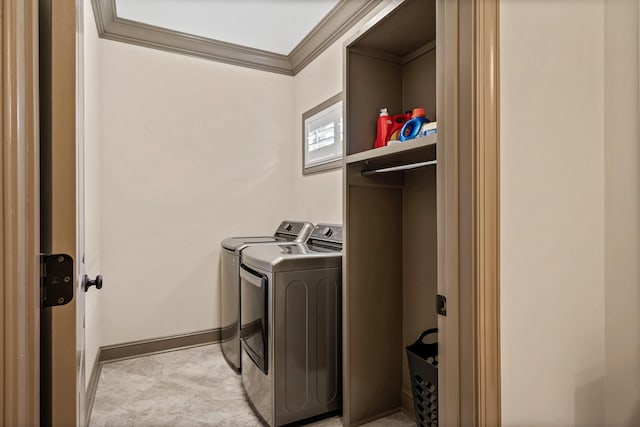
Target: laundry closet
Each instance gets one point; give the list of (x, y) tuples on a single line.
[(390, 215)]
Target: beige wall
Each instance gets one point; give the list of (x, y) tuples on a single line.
[(319, 195), (192, 151), (622, 215), (570, 213), (552, 212)]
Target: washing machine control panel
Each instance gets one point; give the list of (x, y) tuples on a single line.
[(290, 230), (327, 232)]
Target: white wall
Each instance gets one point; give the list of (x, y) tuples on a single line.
[(193, 151), (92, 203), (622, 215), (552, 212)]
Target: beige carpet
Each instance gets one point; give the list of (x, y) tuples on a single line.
[(190, 388)]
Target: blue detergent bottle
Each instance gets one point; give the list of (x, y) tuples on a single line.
[(412, 127)]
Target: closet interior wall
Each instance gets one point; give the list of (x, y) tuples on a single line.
[(390, 218)]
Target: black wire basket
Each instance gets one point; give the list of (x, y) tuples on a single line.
[(423, 368)]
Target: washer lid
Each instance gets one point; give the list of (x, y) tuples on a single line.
[(287, 231), (290, 257), (237, 243)]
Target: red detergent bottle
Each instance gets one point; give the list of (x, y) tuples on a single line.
[(398, 121), (384, 126)]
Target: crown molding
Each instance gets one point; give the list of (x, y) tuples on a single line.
[(342, 17), (111, 27), (338, 21)]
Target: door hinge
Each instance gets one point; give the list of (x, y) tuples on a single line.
[(56, 279), (441, 305)]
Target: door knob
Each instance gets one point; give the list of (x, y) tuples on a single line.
[(97, 282)]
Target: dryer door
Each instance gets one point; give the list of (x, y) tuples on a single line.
[(253, 315), (230, 307)]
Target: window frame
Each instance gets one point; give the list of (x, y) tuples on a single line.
[(332, 162)]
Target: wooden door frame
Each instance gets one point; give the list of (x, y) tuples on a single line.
[(468, 211), (20, 209), (19, 214), (61, 102)]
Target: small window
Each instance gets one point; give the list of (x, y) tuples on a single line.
[(322, 129)]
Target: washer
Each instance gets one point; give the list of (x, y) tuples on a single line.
[(287, 231), (291, 323)]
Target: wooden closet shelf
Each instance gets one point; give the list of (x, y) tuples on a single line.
[(394, 150)]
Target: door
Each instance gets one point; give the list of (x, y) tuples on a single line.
[(253, 315), (230, 307), (61, 207)]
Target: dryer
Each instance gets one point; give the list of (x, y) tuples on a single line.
[(291, 323), (232, 247)]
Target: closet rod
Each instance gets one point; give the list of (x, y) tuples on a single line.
[(399, 168)]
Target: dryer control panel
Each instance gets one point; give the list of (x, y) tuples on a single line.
[(294, 230), (324, 234)]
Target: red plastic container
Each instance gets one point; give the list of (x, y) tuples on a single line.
[(384, 127), (398, 121)]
